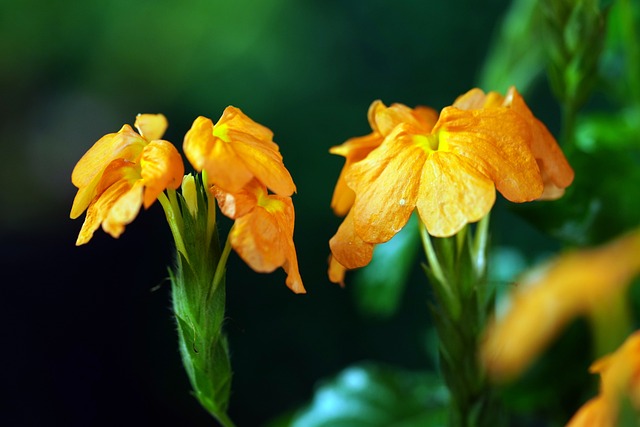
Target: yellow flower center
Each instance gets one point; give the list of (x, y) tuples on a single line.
[(269, 204), (221, 132), (430, 142)]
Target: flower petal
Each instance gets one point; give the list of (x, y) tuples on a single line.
[(354, 150), (266, 165), (496, 142), (476, 99), (218, 158), (452, 194), (236, 205), (549, 297), (263, 238), (117, 179), (151, 126), (126, 144), (256, 239), (234, 119), (161, 168), (232, 157), (386, 184), (620, 380), (556, 172), (336, 271), (348, 250), (124, 210)]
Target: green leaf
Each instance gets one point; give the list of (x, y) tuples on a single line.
[(378, 287), (514, 57), (372, 395), (601, 202), (612, 131)]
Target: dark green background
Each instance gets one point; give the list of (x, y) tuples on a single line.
[(88, 339)]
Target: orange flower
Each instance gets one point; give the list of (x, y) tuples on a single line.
[(382, 120), (556, 172), (575, 284), (620, 379), (234, 151), (448, 173), (263, 231), (121, 172)]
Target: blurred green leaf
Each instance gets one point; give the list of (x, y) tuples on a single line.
[(601, 202), (620, 63), (609, 131), (372, 395), (378, 287), (516, 56)]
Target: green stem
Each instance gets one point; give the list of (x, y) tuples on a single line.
[(458, 266), (449, 299), (569, 117)]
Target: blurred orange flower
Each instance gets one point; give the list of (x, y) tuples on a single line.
[(121, 172), (575, 284), (620, 379), (234, 151), (263, 231)]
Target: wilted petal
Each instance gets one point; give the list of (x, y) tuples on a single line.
[(161, 168), (151, 126), (452, 194)]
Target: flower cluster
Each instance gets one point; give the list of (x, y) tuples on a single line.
[(126, 170), (122, 172), (242, 163), (446, 166)]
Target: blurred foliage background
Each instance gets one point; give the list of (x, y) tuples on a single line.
[(89, 338)]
